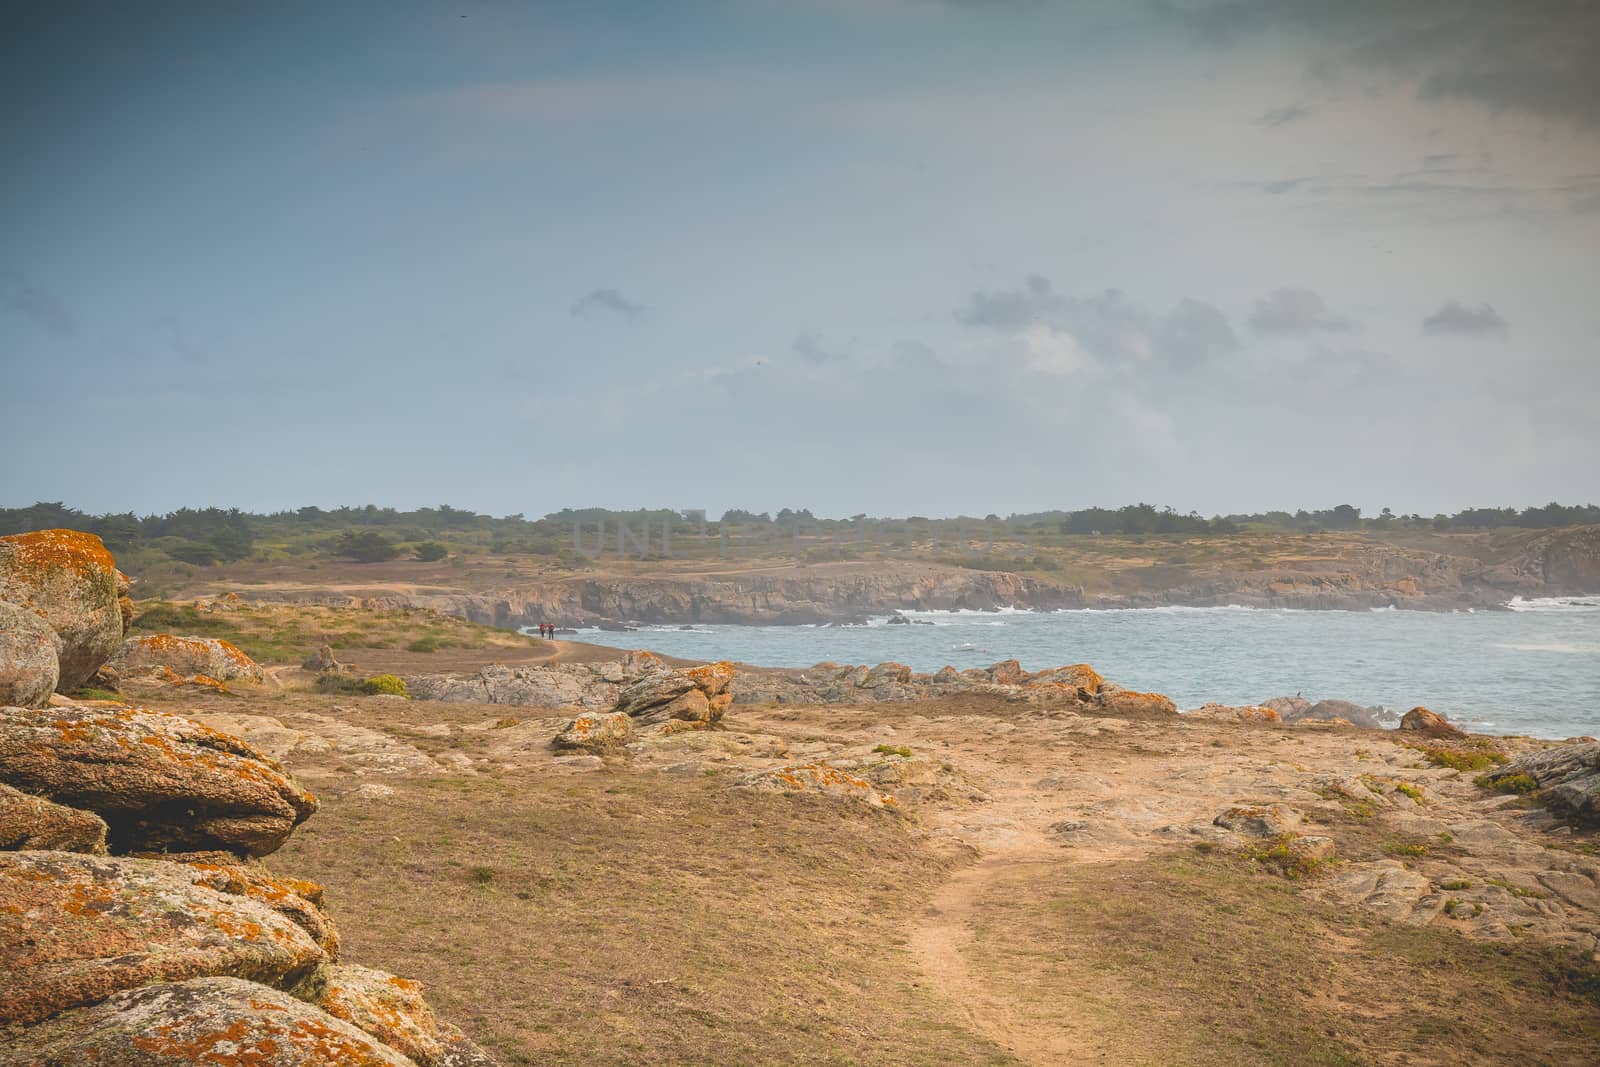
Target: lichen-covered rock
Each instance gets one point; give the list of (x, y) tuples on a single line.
[(202, 1021), (1568, 777), (30, 655), (711, 678), (1116, 699), (28, 821), (885, 673), (595, 732), (1253, 713), (819, 779), (68, 578), (74, 929), (1077, 676), (392, 1010), (1430, 724), (160, 781), (209, 657), (1007, 672), (295, 899)]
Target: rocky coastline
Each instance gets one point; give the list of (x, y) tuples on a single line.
[(1566, 563)]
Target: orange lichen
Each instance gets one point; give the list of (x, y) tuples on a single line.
[(71, 550)]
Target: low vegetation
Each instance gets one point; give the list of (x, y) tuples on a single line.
[(284, 633)]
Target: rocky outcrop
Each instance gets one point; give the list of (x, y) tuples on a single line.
[(1430, 724), (70, 580), (29, 657), (1568, 777), (202, 1021), (188, 657), (649, 699), (159, 781), (562, 685), (1297, 709), (28, 821), (75, 929), (164, 957), (1077, 685)]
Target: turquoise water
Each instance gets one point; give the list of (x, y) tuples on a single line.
[(1531, 670)]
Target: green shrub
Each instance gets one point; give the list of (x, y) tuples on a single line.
[(431, 551), (385, 685), (1281, 854), (425, 644), (1520, 784), (1404, 848), (893, 750), (1463, 759), (1412, 791)]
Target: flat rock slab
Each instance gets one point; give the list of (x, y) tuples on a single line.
[(207, 1021), (159, 781), (1390, 890), (75, 929)]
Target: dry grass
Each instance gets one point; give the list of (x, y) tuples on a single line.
[(626, 917), (1198, 959)]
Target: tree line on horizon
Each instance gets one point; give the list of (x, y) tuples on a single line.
[(202, 536)]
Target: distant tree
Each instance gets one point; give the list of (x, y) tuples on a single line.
[(367, 546), (431, 551)]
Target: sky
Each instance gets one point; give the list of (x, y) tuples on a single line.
[(884, 256)]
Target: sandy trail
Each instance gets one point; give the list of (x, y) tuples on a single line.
[(938, 941)]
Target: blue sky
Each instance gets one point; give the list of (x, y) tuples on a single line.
[(894, 257)]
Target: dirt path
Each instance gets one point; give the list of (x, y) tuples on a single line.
[(938, 941)]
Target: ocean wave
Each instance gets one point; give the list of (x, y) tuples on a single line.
[(1562, 647), (938, 613), (1555, 603), (1170, 609)]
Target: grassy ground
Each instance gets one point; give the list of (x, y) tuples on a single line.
[(1203, 959), (641, 918), (284, 633)]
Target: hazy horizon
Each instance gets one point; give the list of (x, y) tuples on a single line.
[(896, 257)]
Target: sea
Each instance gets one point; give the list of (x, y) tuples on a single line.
[(1531, 669)]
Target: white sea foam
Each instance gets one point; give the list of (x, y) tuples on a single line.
[(1555, 603), (1562, 647)]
